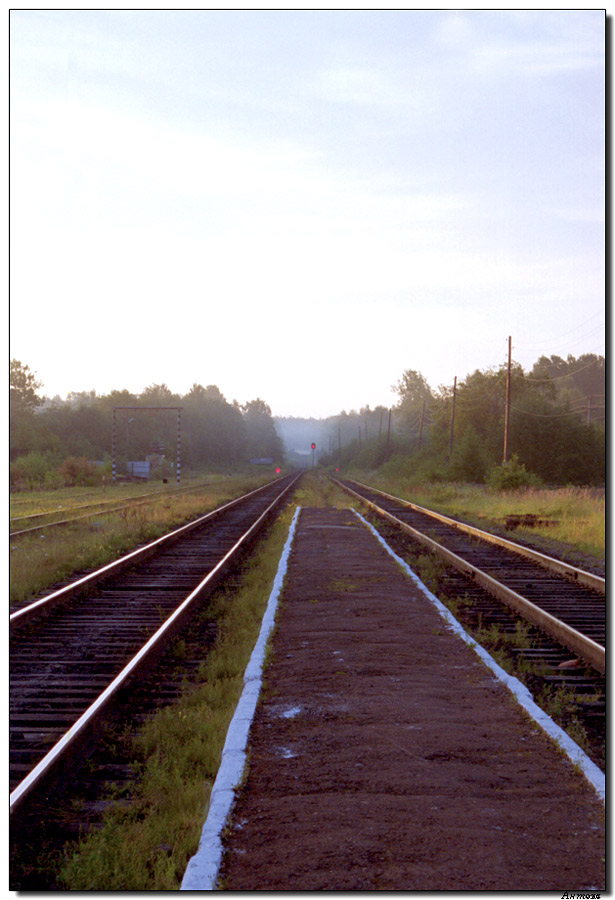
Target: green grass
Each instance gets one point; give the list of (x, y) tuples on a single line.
[(63, 500), (576, 515)]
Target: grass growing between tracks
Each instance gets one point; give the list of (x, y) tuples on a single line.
[(63, 500), (574, 516), (147, 843), (44, 559)]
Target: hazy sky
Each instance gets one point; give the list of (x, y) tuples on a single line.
[(301, 205)]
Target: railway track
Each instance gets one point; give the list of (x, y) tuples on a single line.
[(24, 525), (75, 651), (554, 615)]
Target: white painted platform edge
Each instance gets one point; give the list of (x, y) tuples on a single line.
[(572, 750), (202, 870)]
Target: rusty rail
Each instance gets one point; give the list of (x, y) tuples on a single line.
[(574, 640)]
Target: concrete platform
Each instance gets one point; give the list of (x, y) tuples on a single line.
[(384, 755)]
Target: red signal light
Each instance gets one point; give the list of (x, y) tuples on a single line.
[(313, 446)]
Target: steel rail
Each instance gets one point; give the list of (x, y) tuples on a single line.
[(87, 718), (578, 643), (94, 515), (95, 505), (126, 503), (23, 615), (596, 582)]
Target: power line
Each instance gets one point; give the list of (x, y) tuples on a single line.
[(572, 412), (564, 334), (567, 375)]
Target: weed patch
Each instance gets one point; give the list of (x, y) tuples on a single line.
[(572, 516)]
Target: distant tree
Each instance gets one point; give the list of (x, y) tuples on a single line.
[(412, 388), (196, 393), (573, 381), (213, 392), (469, 461), (261, 436), (413, 392), (552, 441), (589, 374), (24, 425), (82, 398), (118, 398), (158, 395), (214, 427), (23, 387)]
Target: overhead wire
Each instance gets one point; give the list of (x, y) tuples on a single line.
[(572, 412), (549, 379), (557, 337)]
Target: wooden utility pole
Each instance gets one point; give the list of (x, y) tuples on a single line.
[(450, 446), (421, 425), (389, 437), (381, 415), (507, 409)]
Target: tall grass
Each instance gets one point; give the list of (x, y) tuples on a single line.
[(574, 515), (63, 500)]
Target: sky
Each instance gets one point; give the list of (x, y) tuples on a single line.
[(301, 205)]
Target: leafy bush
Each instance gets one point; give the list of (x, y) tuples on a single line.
[(78, 470), (431, 470), (512, 475), (469, 460), (32, 470), (53, 480), (419, 468)]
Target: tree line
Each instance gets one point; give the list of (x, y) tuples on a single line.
[(556, 424), (45, 433), (556, 427)]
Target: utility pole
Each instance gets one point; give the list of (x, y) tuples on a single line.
[(507, 410), (179, 444), (381, 415), (450, 446), (113, 445), (389, 437), (421, 425), (589, 410)]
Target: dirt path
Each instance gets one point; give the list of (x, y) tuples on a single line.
[(384, 755)]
